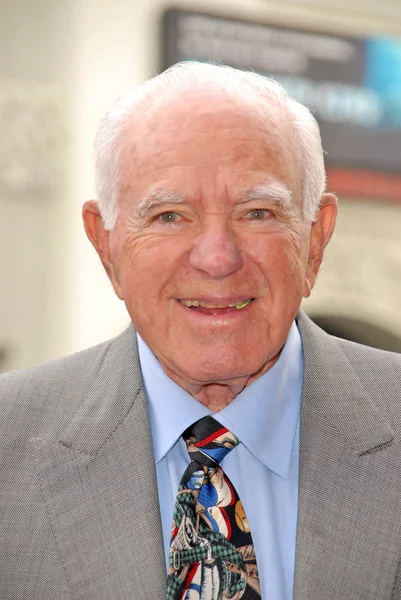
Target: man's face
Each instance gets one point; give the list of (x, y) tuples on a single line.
[(210, 258)]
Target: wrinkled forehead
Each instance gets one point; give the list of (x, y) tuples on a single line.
[(176, 124)]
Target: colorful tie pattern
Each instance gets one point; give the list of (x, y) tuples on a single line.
[(211, 552)]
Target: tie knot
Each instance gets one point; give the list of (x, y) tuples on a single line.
[(208, 442)]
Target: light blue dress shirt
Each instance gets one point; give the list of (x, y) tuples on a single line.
[(263, 468)]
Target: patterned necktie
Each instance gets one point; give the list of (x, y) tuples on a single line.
[(211, 551)]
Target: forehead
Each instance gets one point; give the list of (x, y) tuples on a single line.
[(210, 135)]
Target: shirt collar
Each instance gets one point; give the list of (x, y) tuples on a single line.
[(264, 416)]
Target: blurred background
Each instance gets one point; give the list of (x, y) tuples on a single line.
[(63, 61)]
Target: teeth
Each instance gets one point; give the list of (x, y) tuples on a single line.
[(242, 304), (237, 305)]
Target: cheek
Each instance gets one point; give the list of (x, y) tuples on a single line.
[(295, 256), (141, 282), (282, 258), (147, 268)]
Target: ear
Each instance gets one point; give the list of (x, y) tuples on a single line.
[(321, 232), (100, 240)]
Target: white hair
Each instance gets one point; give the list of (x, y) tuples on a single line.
[(248, 86)]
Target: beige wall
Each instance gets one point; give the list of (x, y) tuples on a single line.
[(361, 273), (36, 42), (75, 57)]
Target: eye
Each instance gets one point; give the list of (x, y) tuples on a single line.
[(168, 217), (258, 214)]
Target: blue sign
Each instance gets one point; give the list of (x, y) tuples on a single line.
[(352, 84)]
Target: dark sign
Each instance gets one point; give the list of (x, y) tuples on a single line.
[(353, 86)]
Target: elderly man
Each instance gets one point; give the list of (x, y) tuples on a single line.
[(223, 446)]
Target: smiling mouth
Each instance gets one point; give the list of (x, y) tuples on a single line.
[(208, 306)]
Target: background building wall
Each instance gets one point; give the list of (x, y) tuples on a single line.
[(61, 63), (36, 42)]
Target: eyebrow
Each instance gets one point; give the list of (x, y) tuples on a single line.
[(157, 198), (274, 192)]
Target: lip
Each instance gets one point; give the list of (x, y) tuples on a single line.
[(220, 315), (216, 299)]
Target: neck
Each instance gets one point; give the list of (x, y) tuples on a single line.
[(217, 395)]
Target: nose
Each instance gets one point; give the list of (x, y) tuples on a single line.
[(216, 252)]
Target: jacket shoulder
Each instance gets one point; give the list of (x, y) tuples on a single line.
[(335, 363), (378, 370), (364, 359), (372, 364), (49, 394)]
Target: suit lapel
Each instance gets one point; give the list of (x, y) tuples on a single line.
[(340, 426), (99, 485)]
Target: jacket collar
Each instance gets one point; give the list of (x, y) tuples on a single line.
[(332, 387), (340, 428), (99, 484)]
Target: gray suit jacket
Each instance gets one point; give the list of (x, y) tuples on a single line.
[(79, 515)]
